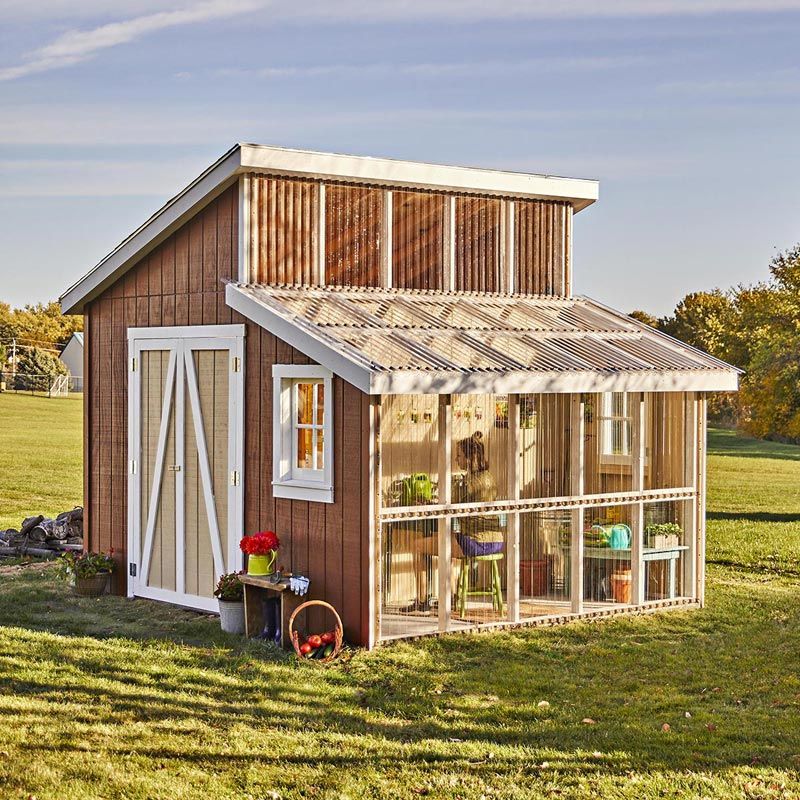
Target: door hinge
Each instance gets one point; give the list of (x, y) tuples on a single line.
[(235, 477), (132, 569), (236, 364), (133, 467), (133, 364)]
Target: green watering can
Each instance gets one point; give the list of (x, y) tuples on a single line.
[(617, 537), (416, 489)]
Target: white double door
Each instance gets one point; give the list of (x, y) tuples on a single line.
[(185, 440)]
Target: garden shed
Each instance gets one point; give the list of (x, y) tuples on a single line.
[(385, 363)]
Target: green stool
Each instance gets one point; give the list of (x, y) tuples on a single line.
[(463, 591)]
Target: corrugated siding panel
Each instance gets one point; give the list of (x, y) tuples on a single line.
[(419, 251), (284, 230), (541, 242), (477, 244), (353, 222)]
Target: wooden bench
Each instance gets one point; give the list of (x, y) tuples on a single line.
[(257, 589)]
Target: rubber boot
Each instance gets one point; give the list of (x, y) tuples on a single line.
[(268, 633), (276, 619)]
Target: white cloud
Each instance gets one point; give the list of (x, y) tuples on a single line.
[(75, 46), (82, 125), (781, 83), (437, 69), (466, 10), (370, 10)]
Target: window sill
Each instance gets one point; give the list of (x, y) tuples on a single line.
[(303, 490)]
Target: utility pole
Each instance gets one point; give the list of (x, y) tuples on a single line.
[(14, 357)]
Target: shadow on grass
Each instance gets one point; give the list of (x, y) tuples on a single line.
[(445, 702), (755, 516)]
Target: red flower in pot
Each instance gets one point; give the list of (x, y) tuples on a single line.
[(261, 549)]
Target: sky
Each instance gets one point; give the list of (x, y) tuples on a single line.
[(686, 111)]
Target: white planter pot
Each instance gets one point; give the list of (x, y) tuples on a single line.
[(231, 616)]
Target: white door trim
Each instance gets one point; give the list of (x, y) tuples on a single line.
[(158, 467), (180, 342), (188, 332), (202, 457)]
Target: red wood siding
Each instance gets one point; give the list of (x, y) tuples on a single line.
[(285, 238), (285, 230), (477, 245), (353, 221), (181, 283), (419, 249), (541, 246)]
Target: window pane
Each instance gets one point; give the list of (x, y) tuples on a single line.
[(607, 463), (409, 449), (544, 445), (320, 454), (305, 448), (320, 403), (479, 448), (305, 401), (665, 425), (607, 545)]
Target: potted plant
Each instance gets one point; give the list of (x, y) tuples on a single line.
[(89, 573), (262, 551), (663, 534), (230, 594)]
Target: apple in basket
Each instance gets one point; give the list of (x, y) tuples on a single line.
[(329, 637), (314, 640), (305, 648)]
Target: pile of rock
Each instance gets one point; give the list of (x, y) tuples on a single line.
[(39, 536)]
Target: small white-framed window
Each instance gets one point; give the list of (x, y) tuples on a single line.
[(302, 433), (616, 423)]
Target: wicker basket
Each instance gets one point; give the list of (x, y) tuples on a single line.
[(338, 632)]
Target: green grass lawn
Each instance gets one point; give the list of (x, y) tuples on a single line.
[(40, 456), (112, 698)]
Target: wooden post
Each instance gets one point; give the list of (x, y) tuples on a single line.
[(512, 534), (321, 276), (445, 496), (386, 241), (638, 450), (449, 280), (576, 427), (509, 248), (375, 503), (689, 515), (701, 500), (244, 229), (568, 254)]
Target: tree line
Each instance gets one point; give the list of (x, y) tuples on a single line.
[(756, 328), (35, 335)]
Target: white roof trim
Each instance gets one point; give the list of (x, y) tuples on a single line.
[(413, 174), (351, 365), (244, 158)]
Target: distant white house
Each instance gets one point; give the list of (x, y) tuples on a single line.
[(72, 356)]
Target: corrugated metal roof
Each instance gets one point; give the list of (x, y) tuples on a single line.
[(398, 340)]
